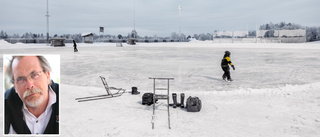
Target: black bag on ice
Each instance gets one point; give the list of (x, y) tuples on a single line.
[(147, 98), (193, 104), (135, 91)]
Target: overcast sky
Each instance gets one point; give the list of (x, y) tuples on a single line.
[(152, 17)]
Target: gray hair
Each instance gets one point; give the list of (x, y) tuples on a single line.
[(43, 62)]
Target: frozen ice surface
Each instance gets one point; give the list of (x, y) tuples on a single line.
[(275, 91)]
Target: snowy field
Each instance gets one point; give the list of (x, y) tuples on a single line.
[(275, 92)]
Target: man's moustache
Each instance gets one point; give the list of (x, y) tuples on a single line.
[(30, 92)]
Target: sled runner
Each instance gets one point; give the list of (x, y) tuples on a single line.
[(119, 92), (158, 97)]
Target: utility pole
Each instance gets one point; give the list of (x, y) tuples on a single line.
[(47, 15), (180, 8), (256, 34), (134, 15), (306, 34)]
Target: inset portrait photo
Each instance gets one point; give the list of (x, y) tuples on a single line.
[(31, 98)]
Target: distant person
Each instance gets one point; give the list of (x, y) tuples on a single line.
[(32, 104), (225, 66), (75, 46)]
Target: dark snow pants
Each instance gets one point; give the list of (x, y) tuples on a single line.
[(226, 73)]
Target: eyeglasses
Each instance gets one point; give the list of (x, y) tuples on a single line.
[(22, 80)]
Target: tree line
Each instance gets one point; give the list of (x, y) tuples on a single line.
[(313, 34), (96, 37)]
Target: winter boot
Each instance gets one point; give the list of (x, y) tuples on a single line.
[(230, 80), (174, 97), (182, 100), (224, 77), (135, 91)]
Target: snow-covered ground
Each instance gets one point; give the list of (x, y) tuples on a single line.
[(275, 92)]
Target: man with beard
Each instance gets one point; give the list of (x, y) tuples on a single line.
[(32, 105)]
